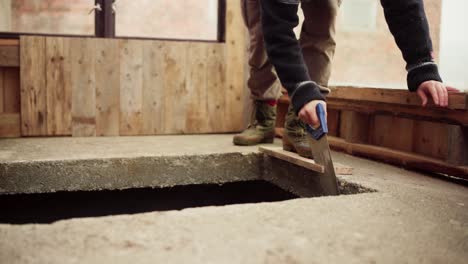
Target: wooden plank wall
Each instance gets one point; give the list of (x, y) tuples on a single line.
[(88, 87), (9, 89)]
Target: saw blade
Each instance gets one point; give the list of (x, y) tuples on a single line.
[(322, 156)]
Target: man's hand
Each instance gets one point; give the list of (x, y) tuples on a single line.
[(308, 113), (437, 90)]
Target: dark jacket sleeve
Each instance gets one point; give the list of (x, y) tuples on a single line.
[(407, 21), (284, 52)]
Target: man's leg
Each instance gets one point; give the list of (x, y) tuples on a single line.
[(263, 83), (318, 47)]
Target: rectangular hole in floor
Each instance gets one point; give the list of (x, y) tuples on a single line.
[(50, 207)]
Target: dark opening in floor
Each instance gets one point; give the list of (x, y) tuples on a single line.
[(47, 208)]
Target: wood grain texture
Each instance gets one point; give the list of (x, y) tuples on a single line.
[(33, 86), (393, 96), (58, 87), (216, 86), (153, 87), (333, 121), (400, 158), (292, 157), (430, 139), (354, 126), (1, 91), (10, 125), (9, 42), (131, 87), (449, 116), (11, 86), (175, 88), (83, 80), (392, 132), (197, 105), (235, 67), (107, 68), (457, 145), (9, 56)]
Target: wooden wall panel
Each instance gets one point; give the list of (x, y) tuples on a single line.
[(131, 87), (355, 126), (392, 132), (153, 87), (175, 90), (1, 90), (58, 87), (107, 76), (33, 83), (215, 87), (11, 86), (83, 78), (9, 56), (430, 139), (10, 125), (197, 105), (235, 71)]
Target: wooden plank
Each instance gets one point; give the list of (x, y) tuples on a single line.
[(400, 158), (216, 86), (9, 42), (354, 126), (430, 139), (83, 79), (458, 145), (33, 86), (197, 104), (59, 87), (9, 56), (392, 96), (11, 86), (131, 87), (235, 87), (449, 116), (292, 157), (392, 132), (1, 91), (10, 125), (153, 87), (107, 60), (333, 122), (175, 90)]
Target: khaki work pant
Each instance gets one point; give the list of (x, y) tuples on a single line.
[(317, 40)]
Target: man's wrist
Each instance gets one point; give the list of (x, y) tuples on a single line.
[(420, 73), (304, 93)]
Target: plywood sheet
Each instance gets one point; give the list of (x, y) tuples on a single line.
[(216, 86), (107, 68), (430, 139), (392, 132), (83, 80), (58, 87), (33, 86)]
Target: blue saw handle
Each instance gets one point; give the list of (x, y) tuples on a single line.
[(323, 128)]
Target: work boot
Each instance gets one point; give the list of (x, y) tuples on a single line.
[(262, 129), (294, 136)]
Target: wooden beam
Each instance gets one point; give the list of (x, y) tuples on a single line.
[(9, 42), (442, 115), (9, 56), (393, 96), (400, 158)]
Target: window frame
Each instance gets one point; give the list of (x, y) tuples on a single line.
[(105, 22)]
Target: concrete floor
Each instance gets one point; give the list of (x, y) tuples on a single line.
[(412, 218)]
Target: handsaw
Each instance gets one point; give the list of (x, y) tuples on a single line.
[(321, 153)]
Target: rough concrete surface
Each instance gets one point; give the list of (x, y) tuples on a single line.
[(36, 165), (412, 218)]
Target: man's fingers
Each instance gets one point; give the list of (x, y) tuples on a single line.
[(434, 94), (313, 119), (443, 95), (422, 95)]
